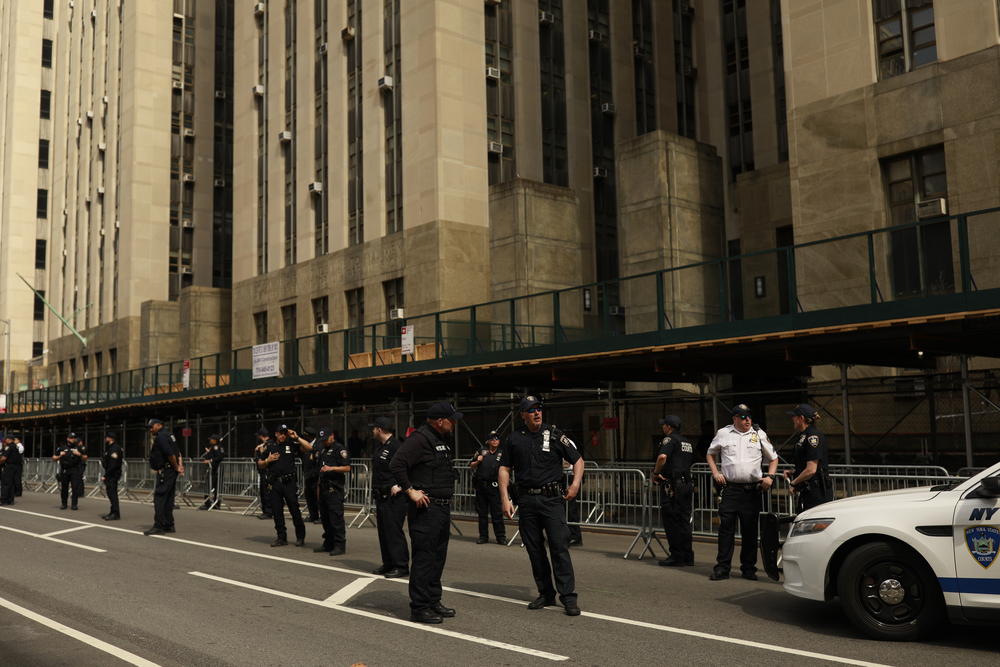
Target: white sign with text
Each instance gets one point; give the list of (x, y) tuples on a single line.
[(265, 360)]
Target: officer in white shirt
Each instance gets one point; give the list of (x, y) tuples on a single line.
[(740, 447)]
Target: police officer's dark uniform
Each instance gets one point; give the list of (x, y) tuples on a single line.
[(112, 459), (332, 489), (10, 459), (673, 471), (485, 478), (536, 459), (165, 460), (310, 478), (811, 446), (263, 488), (390, 508), (18, 467), (279, 468), (423, 468), (71, 467), (213, 457)]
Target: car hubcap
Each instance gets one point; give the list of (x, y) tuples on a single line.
[(891, 593)]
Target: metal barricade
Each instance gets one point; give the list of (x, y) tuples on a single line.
[(141, 479), (92, 474), (359, 494), (240, 479)]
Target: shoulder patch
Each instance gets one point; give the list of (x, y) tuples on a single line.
[(813, 440), (687, 448), (343, 454), (114, 455), (567, 442)]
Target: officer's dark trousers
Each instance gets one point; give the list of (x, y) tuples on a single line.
[(311, 493), (541, 519), (738, 504), (811, 497), (286, 493), (390, 514), (18, 473), (7, 476), (212, 484), (111, 488), (331, 512), (265, 495), (676, 513), (163, 499), (429, 533), (74, 478), (488, 509)]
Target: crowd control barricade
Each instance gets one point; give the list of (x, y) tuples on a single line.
[(359, 494), (240, 479), (92, 474), (194, 483)]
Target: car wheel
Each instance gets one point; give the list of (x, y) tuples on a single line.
[(889, 593)]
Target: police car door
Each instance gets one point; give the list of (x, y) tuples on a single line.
[(976, 539)]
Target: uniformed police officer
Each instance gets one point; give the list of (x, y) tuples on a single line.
[(423, 469), (279, 468), (18, 467), (535, 455), (310, 474), (213, 458), (672, 471), (72, 458), (166, 461), (742, 447), (811, 478), (10, 458), (486, 469), (334, 463), (112, 459), (390, 502), (263, 489)]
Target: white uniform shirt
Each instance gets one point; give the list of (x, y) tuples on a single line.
[(20, 448), (741, 453)]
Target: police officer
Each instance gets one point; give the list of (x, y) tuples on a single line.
[(390, 502), (672, 471), (535, 455), (213, 458), (112, 459), (423, 469), (10, 459), (263, 489), (18, 467), (486, 469), (811, 478), (166, 461), (279, 468), (741, 446), (72, 458), (310, 474), (334, 462)]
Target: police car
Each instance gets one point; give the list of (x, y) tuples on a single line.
[(903, 561)]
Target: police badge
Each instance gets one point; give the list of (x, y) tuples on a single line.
[(983, 542), (813, 440)]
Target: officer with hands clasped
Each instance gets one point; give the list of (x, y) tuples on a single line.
[(72, 458), (333, 464), (279, 469), (423, 469), (112, 459), (534, 454), (486, 469), (672, 471), (263, 489), (811, 479), (213, 458), (741, 447), (166, 461), (390, 502)]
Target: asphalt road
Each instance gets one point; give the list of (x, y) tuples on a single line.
[(216, 593)]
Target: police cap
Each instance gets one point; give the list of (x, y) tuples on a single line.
[(740, 409), (493, 436), (263, 431), (111, 434), (152, 422), (671, 420), (529, 402), (215, 436), (443, 410), (803, 410), (384, 424)]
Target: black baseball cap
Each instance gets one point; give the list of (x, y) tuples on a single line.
[(152, 422), (803, 410), (323, 432), (263, 431), (671, 420), (281, 428), (443, 410), (493, 436), (529, 402), (74, 435), (111, 434), (383, 423), (740, 409), (215, 436)]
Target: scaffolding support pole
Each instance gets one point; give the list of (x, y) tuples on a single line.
[(966, 410), (846, 407)]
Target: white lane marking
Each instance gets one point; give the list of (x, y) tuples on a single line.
[(110, 649), (388, 619), (348, 591), (67, 530), (77, 521), (53, 539), (487, 596)]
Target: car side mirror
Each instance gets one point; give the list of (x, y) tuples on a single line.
[(990, 487)]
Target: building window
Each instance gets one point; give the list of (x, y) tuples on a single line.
[(393, 110), (43, 153), (113, 360), (735, 280), (355, 129), (37, 349), (289, 322), (262, 157), (321, 206), (500, 92), (47, 53), (290, 152), (260, 327), (686, 72), (780, 98), (289, 332), (784, 240), (552, 68), (393, 290), (222, 145), (321, 310), (321, 348), (40, 248), (645, 71), (42, 203), (355, 299), (45, 107), (905, 35), (739, 119), (39, 314), (47, 9), (920, 257)]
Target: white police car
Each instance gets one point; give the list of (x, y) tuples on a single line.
[(903, 561)]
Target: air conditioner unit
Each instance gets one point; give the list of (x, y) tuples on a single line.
[(285, 136), (90, 115), (188, 178), (258, 90), (65, 252), (596, 36), (79, 121), (188, 132), (72, 4), (323, 328), (493, 2), (187, 223), (186, 270), (315, 187), (104, 99), (322, 48), (102, 147), (259, 9), (220, 94), (178, 17), (932, 208), (219, 183), (396, 314), (118, 224), (385, 83), (100, 191), (546, 18), (493, 73), (608, 108), (600, 172), (496, 147), (347, 34), (178, 85), (102, 231), (616, 310), (93, 14)]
